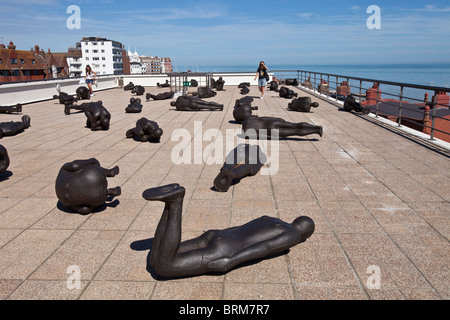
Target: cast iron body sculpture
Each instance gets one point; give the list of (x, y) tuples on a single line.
[(17, 108), (205, 92), (145, 130), (273, 86), (302, 104), (350, 104), (287, 93), (65, 98), (164, 85), (82, 186), (243, 109), (261, 127), (194, 83), (138, 90), (218, 84), (244, 85), (135, 106), (129, 87), (161, 96), (81, 107), (12, 128), (291, 82), (4, 159), (98, 118), (83, 93), (187, 103), (245, 160), (216, 251), (245, 91)]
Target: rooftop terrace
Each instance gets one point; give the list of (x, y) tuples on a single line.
[(378, 195)]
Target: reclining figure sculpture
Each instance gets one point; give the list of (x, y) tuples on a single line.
[(17, 108), (12, 128), (161, 96), (98, 118), (138, 90), (164, 85), (303, 104), (65, 98), (188, 103), (261, 127), (216, 251), (245, 160), (135, 106), (82, 186), (4, 159), (205, 92), (273, 86), (291, 82), (243, 109), (350, 104), (287, 93), (145, 131)]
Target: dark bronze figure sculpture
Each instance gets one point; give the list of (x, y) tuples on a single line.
[(205, 92), (244, 85), (12, 128), (4, 159), (81, 107), (273, 86), (350, 104), (245, 160), (65, 98), (83, 93), (243, 109), (129, 87), (17, 108), (98, 118), (138, 90), (291, 82), (135, 106), (218, 84), (188, 103), (161, 96), (145, 131), (303, 104), (216, 251), (82, 186), (287, 93), (164, 85), (261, 127), (194, 83), (245, 90)]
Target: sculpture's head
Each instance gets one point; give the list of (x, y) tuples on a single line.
[(157, 133), (315, 105), (305, 227)]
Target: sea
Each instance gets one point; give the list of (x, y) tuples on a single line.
[(430, 74)]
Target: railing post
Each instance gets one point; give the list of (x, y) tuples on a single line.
[(360, 91), (314, 86), (400, 108), (337, 83), (328, 84), (378, 100), (298, 76), (433, 117)]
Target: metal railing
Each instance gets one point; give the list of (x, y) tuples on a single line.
[(406, 103)]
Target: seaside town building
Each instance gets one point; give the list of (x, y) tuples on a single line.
[(104, 56)]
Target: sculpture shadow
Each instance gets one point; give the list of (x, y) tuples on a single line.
[(5, 175), (152, 142), (290, 110), (233, 122), (146, 244), (242, 136), (233, 183), (99, 209)]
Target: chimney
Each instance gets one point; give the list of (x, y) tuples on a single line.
[(36, 49), (2, 46), (11, 45)]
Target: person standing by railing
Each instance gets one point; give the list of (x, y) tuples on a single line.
[(263, 77), (90, 78)]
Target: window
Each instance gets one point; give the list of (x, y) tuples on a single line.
[(22, 61), (33, 61), (87, 50), (94, 43), (103, 50), (1, 61), (94, 51), (87, 58), (95, 58), (103, 58), (13, 61)]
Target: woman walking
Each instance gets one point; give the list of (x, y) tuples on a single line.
[(90, 78), (263, 77)]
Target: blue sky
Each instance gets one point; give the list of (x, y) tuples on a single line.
[(229, 32)]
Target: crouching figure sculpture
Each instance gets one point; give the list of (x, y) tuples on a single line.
[(98, 118), (216, 251), (188, 103), (145, 130), (12, 128), (302, 104), (287, 93), (265, 127), (82, 186), (4, 159), (243, 109), (245, 160), (135, 106)]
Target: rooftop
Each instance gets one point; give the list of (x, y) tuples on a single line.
[(379, 197)]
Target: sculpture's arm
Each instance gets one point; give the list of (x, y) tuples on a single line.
[(77, 165)]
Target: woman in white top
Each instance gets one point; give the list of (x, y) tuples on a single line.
[(89, 78)]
